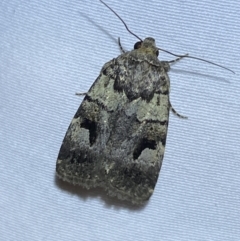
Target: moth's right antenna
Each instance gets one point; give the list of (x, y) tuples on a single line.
[(200, 59), (180, 56)]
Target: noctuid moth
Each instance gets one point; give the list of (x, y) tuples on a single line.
[(117, 137)]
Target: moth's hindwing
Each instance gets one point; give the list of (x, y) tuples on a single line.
[(117, 138)]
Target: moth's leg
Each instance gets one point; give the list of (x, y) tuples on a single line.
[(177, 59), (120, 46), (84, 93), (175, 112), (172, 109)]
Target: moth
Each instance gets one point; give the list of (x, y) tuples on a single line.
[(117, 137)]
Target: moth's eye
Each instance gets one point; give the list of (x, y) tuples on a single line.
[(157, 52), (137, 45)]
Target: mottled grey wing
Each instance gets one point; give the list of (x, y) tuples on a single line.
[(117, 137)]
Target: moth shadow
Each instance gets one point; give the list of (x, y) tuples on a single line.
[(99, 27), (200, 74), (99, 193)]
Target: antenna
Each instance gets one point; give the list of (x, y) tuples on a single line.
[(180, 56)]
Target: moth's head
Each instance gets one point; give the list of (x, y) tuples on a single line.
[(148, 44)]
